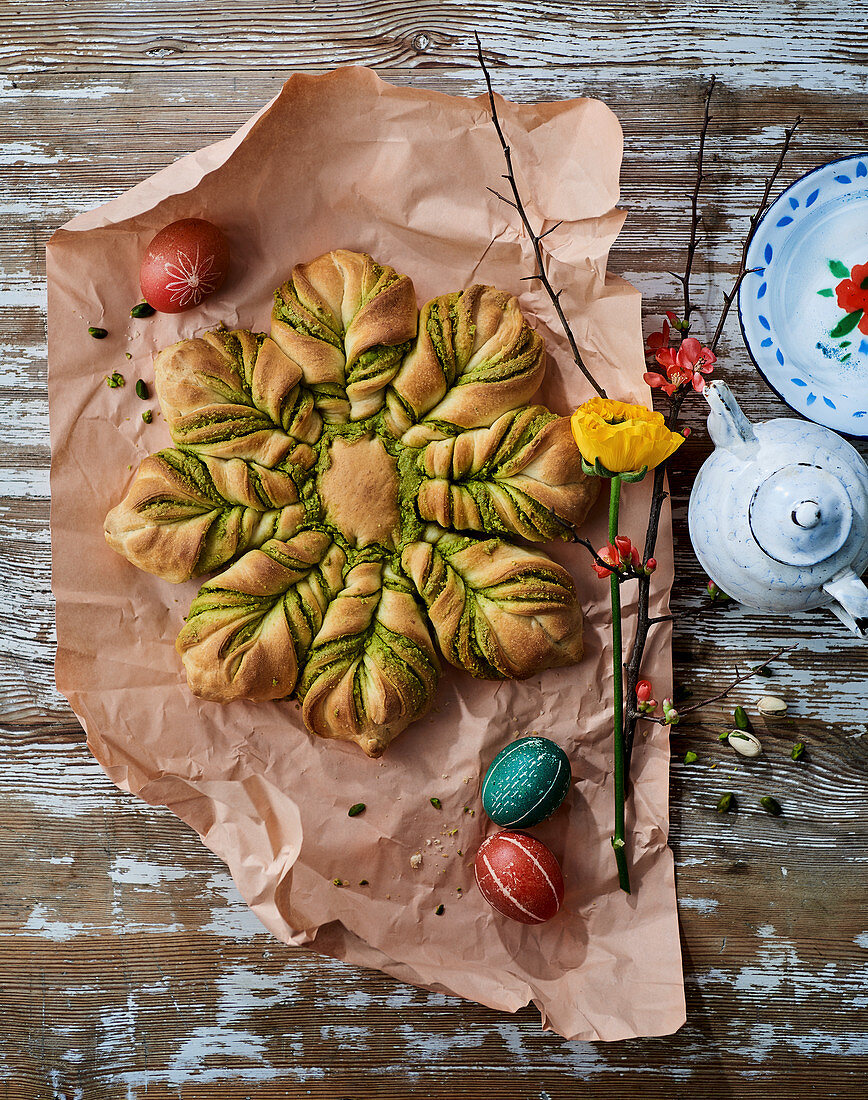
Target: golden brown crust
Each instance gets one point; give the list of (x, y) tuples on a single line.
[(521, 476), (499, 611), (249, 629), (184, 515), (475, 358), (335, 590), (206, 388), (345, 320), (359, 492), (373, 669)]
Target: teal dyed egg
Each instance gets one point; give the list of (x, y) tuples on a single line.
[(526, 782)]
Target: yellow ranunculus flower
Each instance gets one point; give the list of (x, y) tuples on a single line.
[(623, 437)]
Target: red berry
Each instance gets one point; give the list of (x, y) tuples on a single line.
[(184, 264), (519, 877)]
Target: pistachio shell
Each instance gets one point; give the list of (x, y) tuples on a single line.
[(771, 706), (744, 743)]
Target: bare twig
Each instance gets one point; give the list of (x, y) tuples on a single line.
[(754, 223), (739, 679), (534, 237), (695, 215), (633, 665)]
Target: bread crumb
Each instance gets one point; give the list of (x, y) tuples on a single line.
[(416, 860)]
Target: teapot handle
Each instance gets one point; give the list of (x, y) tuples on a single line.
[(850, 601)]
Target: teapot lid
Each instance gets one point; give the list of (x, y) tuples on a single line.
[(800, 515)]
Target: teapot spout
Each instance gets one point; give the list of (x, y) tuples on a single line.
[(727, 425), (851, 601)]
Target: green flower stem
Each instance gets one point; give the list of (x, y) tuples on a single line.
[(619, 840)]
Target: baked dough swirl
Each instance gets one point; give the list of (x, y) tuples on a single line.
[(371, 480)]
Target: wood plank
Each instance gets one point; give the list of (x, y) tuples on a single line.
[(132, 968), (129, 959)]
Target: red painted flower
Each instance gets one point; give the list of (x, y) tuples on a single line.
[(684, 367), (852, 294)]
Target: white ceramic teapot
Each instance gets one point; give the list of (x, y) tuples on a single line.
[(778, 514)]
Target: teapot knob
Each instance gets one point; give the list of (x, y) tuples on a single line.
[(800, 514), (807, 514)]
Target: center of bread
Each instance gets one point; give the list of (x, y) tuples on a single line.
[(359, 492)]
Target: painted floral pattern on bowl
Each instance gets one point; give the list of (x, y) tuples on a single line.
[(803, 306)]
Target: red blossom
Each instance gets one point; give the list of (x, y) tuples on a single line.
[(644, 691), (658, 340), (686, 366), (610, 555), (852, 294), (645, 703)]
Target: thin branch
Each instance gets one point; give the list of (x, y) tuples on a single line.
[(557, 225), (695, 215), (754, 223), (643, 620), (502, 198), (739, 679), (535, 237)]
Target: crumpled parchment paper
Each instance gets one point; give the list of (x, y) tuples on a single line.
[(346, 160)]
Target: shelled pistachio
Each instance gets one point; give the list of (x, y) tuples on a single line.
[(744, 743)]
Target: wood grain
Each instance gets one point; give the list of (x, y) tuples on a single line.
[(131, 966)]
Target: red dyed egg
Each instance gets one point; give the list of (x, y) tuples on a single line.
[(185, 263), (519, 877)]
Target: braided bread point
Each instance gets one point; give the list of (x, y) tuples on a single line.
[(522, 476), (235, 394), (346, 321), (475, 358), (185, 515), (249, 630), (499, 611), (373, 669)]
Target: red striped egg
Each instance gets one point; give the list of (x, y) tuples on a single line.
[(519, 877)]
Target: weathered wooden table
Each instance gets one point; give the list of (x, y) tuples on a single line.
[(130, 966)]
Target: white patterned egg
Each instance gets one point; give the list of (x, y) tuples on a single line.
[(526, 782)]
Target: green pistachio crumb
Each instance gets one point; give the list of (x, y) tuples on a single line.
[(762, 670), (798, 750), (452, 832), (771, 805), (338, 882), (726, 803), (147, 416), (440, 910), (356, 809), (128, 355), (723, 736), (690, 757), (114, 380), (97, 333), (436, 803), (143, 309), (363, 882)]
